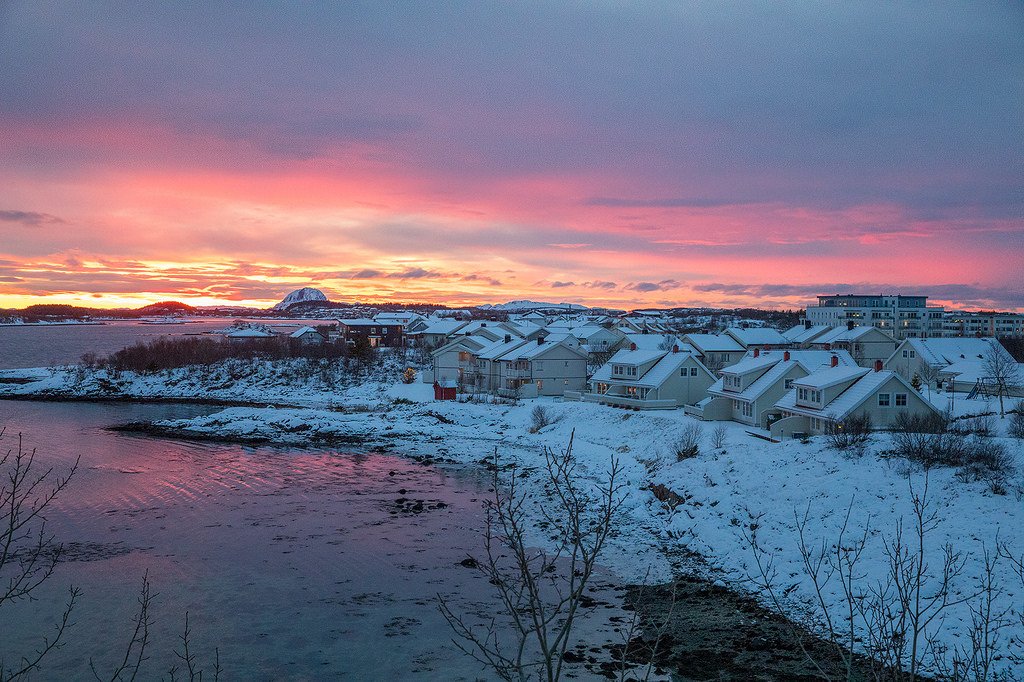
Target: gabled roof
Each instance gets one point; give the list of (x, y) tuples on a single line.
[(363, 322), (663, 369), (824, 378), (470, 343), (653, 341), (757, 336)]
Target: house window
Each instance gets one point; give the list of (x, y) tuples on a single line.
[(913, 354), (901, 400), (693, 371), (788, 384), (373, 330), (906, 354), (748, 410), (801, 393), (883, 400), (631, 371)]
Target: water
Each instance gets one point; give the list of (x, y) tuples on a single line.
[(297, 564), (49, 345)]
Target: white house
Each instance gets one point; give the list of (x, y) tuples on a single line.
[(764, 338), (547, 366), (834, 395), (649, 380), (308, 336), (748, 390), (865, 343), (454, 359), (927, 357)]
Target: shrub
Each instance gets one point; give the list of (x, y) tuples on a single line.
[(718, 437), (173, 352), (1016, 427), (688, 444), (540, 417), (409, 375), (850, 433), (981, 425)]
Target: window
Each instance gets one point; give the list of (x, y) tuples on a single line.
[(906, 353), (693, 371), (631, 371), (901, 400), (815, 396), (913, 354), (788, 384), (748, 410), (801, 393), (883, 400)]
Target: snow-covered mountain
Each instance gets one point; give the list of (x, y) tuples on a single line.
[(520, 306), (301, 296)]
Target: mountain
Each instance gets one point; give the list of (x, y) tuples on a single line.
[(303, 295)]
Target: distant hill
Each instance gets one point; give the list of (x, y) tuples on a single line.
[(523, 306), (167, 308)]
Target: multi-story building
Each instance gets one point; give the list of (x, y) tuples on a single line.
[(997, 325), (902, 316)]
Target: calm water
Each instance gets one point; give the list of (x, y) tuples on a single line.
[(48, 345), (297, 564)]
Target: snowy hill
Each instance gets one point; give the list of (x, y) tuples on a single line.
[(301, 296), (521, 306)]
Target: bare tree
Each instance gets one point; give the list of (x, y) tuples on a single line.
[(1003, 370), (896, 618), (28, 552), (541, 591)]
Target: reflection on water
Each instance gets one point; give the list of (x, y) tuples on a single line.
[(297, 564)]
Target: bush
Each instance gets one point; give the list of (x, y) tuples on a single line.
[(687, 445), (409, 375), (540, 417), (1016, 427), (851, 433), (977, 456), (981, 425), (173, 352)]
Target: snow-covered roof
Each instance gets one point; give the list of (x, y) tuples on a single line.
[(843, 334), (654, 341), (470, 343), (803, 334), (444, 326), (495, 349), (363, 322), (823, 378), (635, 357), (712, 342), (751, 364), (533, 349), (663, 369), (302, 331), (946, 351), (754, 336), (849, 400)]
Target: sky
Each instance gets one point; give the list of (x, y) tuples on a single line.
[(606, 153)]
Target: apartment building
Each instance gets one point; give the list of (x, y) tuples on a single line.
[(901, 316)]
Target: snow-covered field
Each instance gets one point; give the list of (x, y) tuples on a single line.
[(724, 490)]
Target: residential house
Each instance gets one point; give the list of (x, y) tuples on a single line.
[(548, 366), (926, 358), (377, 334), (308, 336), (434, 333), (403, 317), (803, 334), (485, 376), (865, 343), (454, 359), (748, 390), (833, 395), (649, 380)]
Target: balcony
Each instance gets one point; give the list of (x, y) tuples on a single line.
[(518, 373)]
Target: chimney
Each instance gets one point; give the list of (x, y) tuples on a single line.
[(835, 361), (785, 356), (850, 325), (632, 346), (483, 324), (508, 338), (878, 365), (540, 340), (675, 348), (757, 352)]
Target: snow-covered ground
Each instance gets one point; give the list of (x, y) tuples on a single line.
[(723, 490)]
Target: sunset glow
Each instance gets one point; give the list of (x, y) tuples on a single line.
[(615, 154)]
